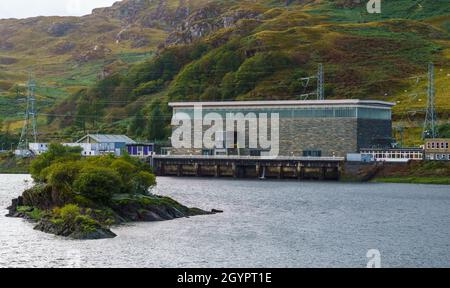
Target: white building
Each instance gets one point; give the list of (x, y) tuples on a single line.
[(100, 144), (38, 148), (92, 145), (394, 154)]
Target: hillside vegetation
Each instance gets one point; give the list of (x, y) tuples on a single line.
[(247, 50)]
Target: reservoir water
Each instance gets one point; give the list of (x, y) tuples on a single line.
[(264, 224)]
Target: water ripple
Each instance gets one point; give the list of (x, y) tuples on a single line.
[(265, 224)]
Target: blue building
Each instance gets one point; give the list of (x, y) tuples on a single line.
[(140, 149), (99, 144)]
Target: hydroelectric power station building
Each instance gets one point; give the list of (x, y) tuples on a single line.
[(325, 128)]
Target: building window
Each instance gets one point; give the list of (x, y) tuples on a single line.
[(300, 112), (312, 153), (255, 153), (207, 152)]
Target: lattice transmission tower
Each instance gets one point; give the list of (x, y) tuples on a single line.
[(429, 127), (29, 129), (320, 92), (320, 83)]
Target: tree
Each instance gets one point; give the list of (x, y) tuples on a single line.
[(98, 184), (55, 153), (228, 86), (257, 68), (212, 93), (125, 170), (148, 88), (156, 123), (142, 182), (62, 175), (137, 124)]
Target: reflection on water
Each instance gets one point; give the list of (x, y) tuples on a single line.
[(265, 224)]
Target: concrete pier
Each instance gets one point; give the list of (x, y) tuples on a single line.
[(319, 168)]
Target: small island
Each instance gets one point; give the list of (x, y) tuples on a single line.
[(82, 198)]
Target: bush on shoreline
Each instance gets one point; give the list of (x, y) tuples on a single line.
[(73, 195), (95, 178), (82, 197)]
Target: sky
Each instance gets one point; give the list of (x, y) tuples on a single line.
[(31, 8)]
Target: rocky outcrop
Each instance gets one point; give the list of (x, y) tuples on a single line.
[(63, 48), (7, 60), (60, 29), (12, 210), (74, 230), (207, 20), (155, 208), (136, 38), (129, 208), (160, 17), (43, 197), (127, 10), (6, 46), (91, 53), (147, 13), (187, 21)]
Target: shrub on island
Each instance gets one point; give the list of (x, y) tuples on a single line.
[(82, 197)]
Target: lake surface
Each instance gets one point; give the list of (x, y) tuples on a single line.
[(265, 224)]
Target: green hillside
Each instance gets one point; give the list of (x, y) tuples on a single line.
[(248, 50)]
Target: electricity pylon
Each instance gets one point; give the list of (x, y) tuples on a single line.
[(29, 129), (320, 92), (429, 127), (320, 83)]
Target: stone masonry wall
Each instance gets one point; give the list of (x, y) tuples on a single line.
[(332, 136)]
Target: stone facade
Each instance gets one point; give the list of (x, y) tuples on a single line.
[(333, 137), (329, 136)]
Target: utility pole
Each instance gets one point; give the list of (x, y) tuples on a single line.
[(429, 127)]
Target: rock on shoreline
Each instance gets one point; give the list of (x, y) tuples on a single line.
[(124, 209)]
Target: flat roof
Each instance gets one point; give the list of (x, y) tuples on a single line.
[(348, 102)]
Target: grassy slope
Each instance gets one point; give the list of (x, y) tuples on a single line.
[(60, 73), (365, 56), (421, 172), (411, 99), (11, 165), (58, 76)]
